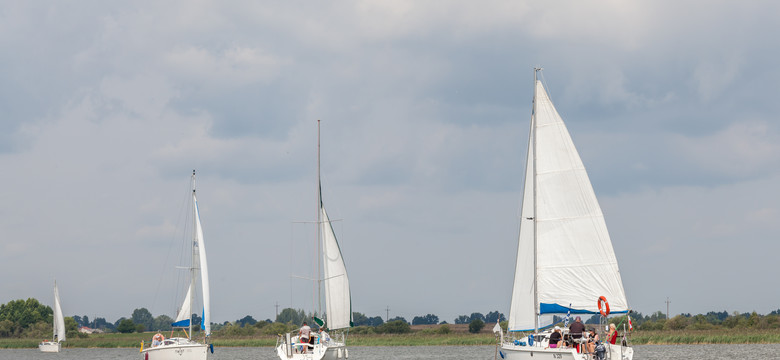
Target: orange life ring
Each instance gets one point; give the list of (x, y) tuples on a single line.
[(159, 337), (604, 310)]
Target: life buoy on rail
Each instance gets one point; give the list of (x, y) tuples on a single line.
[(603, 306), (159, 337)]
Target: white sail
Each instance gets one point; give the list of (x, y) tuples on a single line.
[(575, 261), (204, 270), (521, 313), (59, 319), (338, 303), (185, 312)]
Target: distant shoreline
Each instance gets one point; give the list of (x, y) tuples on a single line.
[(420, 338)]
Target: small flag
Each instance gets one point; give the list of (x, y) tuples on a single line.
[(630, 325), (568, 317), (497, 328)]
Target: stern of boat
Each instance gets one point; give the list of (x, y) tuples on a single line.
[(49, 346)]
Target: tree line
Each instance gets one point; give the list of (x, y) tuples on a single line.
[(29, 318)]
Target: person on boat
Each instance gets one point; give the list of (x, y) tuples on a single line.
[(157, 339), (576, 330), (556, 339), (324, 337), (303, 336), (593, 338), (612, 334)]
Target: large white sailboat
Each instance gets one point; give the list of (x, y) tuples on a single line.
[(565, 260), (59, 326), (187, 348), (329, 345)]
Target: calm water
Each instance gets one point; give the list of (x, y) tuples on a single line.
[(646, 352)]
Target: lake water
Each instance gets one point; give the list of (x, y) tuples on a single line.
[(644, 352)]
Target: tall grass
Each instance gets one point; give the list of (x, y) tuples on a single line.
[(715, 336)]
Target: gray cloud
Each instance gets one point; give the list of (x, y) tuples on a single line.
[(424, 106)]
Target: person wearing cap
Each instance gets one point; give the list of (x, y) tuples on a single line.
[(555, 338)]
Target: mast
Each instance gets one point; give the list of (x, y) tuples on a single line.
[(533, 132), (194, 244), (319, 226)]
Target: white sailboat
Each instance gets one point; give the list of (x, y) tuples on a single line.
[(338, 300), (187, 348), (59, 326), (565, 260)]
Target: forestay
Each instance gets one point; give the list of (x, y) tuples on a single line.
[(575, 261)]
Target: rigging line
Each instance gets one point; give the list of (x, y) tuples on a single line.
[(167, 255)]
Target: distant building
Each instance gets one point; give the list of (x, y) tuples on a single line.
[(87, 330)]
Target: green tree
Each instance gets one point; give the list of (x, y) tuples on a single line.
[(7, 328), (394, 327), (126, 326), (476, 326), (24, 313), (246, 320), (143, 317), (494, 316), (463, 319), (162, 322), (291, 316), (428, 319), (139, 328)]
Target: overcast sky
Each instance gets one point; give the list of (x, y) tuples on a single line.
[(106, 107)]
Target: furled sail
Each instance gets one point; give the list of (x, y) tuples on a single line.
[(338, 300), (575, 261)]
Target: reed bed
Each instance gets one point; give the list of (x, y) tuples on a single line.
[(717, 336)]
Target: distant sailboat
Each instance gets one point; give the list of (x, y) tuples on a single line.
[(565, 260), (186, 348), (338, 300), (59, 326)]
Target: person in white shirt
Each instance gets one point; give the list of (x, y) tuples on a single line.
[(324, 337), (303, 336)]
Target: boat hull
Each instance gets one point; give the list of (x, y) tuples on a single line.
[(49, 346), (514, 352), (176, 352), (315, 352)]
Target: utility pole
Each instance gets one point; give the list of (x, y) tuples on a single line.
[(387, 317), (277, 310), (667, 307)]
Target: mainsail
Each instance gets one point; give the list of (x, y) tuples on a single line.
[(564, 249), (204, 269), (338, 302)]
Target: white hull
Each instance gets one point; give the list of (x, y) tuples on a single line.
[(515, 352), (329, 351), (49, 346), (191, 351)]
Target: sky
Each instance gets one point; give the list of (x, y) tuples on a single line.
[(107, 107)]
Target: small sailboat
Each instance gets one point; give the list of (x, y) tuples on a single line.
[(565, 261), (59, 326), (187, 348), (338, 300)]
